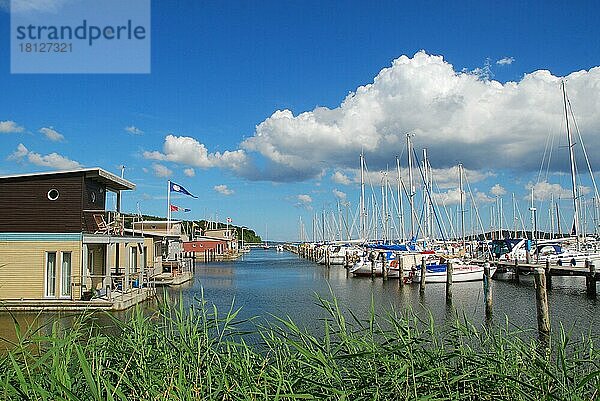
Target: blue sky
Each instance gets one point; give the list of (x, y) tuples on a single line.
[(220, 71)]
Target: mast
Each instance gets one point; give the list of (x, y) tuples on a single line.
[(552, 216), (500, 222), (532, 210), (426, 210), (462, 204), (514, 210), (399, 194), (573, 175), (411, 184), (362, 197)]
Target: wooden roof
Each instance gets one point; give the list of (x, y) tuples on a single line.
[(96, 173)]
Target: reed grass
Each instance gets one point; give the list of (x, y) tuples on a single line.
[(191, 353)]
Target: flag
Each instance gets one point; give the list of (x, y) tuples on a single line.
[(179, 209), (178, 188), (229, 220)]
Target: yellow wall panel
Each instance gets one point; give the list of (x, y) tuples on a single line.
[(23, 263)]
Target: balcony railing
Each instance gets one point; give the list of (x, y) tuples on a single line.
[(115, 288), (108, 222)]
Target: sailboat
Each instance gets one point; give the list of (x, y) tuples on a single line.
[(265, 244), (577, 255)]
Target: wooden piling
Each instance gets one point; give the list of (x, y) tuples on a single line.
[(487, 289), (516, 271), (590, 279), (400, 260), (373, 261), (548, 275), (423, 276), (541, 298), (449, 271)]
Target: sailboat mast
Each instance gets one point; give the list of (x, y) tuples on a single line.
[(514, 215), (532, 210), (573, 175), (400, 206), (412, 187), (462, 204), (362, 197), (426, 226), (552, 227)]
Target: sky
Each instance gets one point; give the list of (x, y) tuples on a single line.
[(262, 109)]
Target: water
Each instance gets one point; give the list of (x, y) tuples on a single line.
[(265, 283)]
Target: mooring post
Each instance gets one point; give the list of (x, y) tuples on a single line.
[(449, 271), (590, 278), (373, 261), (423, 274), (548, 275), (328, 257), (541, 298), (400, 260), (516, 271), (487, 289)]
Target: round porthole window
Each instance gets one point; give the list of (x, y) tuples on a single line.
[(53, 194)]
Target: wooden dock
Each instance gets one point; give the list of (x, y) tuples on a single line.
[(589, 272)]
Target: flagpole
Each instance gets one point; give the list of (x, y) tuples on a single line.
[(168, 206)]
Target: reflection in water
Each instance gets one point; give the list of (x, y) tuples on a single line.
[(266, 283)]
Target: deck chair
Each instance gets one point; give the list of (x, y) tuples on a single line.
[(103, 226)]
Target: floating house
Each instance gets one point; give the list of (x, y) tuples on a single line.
[(61, 248), (170, 267)]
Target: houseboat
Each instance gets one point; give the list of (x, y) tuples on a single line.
[(62, 249)]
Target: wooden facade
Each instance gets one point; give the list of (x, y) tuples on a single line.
[(52, 251), (62, 202), (23, 273)]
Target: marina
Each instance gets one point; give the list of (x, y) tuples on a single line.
[(299, 200)]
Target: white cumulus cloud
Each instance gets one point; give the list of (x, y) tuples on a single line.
[(304, 201), (134, 130), (498, 190), (543, 191), (458, 115), (189, 151), (223, 190), (51, 160), (10, 127), (341, 178), (52, 134), (339, 195), (505, 61), (190, 172), (161, 171)]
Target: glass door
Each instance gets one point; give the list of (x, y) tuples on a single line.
[(65, 275)]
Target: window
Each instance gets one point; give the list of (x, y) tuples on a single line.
[(50, 285), (133, 260), (65, 275), (145, 257), (53, 194)]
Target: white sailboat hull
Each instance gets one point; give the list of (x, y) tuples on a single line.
[(460, 273)]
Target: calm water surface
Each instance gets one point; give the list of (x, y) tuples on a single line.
[(265, 283)]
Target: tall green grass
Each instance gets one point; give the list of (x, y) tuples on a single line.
[(180, 353)]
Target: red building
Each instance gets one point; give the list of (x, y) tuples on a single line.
[(206, 248)]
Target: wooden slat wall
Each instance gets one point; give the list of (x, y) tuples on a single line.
[(23, 264), (95, 202), (25, 207)]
